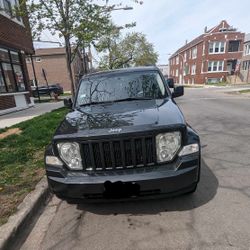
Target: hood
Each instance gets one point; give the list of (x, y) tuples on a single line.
[(120, 117)]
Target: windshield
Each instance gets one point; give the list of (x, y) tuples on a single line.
[(110, 88)]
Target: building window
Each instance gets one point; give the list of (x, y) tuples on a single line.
[(186, 70), (7, 7), (194, 53), (28, 60), (216, 47), (11, 72), (234, 46), (177, 72), (9, 77), (247, 49), (2, 84), (185, 56), (177, 60), (38, 59), (193, 69), (202, 66), (19, 77), (203, 49), (215, 66), (246, 65), (4, 55)]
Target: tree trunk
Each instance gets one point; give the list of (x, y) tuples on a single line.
[(68, 58)]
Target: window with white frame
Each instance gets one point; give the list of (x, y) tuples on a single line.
[(247, 49), (7, 6), (177, 60), (216, 47), (246, 65), (185, 56), (177, 72), (202, 67), (194, 53), (193, 69), (215, 66), (186, 70)]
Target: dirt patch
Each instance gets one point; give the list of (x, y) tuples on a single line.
[(12, 196), (11, 131)]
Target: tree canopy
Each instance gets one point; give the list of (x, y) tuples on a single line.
[(118, 51)]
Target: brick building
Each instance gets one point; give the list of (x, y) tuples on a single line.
[(15, 43), (53, 62), (211, 57), (245, 64), (164, 68)]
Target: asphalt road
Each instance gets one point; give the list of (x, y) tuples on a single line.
[(217, 216)]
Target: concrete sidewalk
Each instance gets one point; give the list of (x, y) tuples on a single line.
[(24, 115)]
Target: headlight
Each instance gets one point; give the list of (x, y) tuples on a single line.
[(167, 144), (70, 154), (189, 149)]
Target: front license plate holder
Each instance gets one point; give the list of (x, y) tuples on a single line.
[(121, 189)]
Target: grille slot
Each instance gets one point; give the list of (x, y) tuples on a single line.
[(119, 154)]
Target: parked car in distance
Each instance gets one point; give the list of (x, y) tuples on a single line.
[(48, 90), (124, 137)]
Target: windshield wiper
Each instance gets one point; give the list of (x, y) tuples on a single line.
[(119, 100), (133, 99), (93, 103)]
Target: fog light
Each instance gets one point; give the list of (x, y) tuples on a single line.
[(189, 149), (53, 160)]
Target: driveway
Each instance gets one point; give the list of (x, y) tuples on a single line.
[(217, 216), (24, 115)]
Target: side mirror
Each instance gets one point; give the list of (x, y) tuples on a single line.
[(68, 103), (170, 82), (178, 91)]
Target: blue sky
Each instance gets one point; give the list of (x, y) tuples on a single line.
[(168, 23)]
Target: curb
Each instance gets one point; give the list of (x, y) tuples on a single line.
[(25, 214)]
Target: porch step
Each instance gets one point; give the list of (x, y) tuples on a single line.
[(234, 79)]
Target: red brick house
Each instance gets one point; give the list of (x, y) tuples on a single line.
[(245, 63), (210, 58), (15, 43), (53, 62)]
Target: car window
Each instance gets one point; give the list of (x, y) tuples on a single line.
[(121, 86)]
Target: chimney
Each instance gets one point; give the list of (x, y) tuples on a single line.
[(186, 42), (205, 29)]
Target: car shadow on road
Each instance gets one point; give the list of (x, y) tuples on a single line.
[(205, 192)]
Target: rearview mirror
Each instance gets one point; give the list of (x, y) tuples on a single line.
[(170, 82), (178, 91), (68, 103)]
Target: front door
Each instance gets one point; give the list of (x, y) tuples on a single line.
[(231, 65)]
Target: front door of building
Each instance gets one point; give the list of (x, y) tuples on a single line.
[(231, 65)]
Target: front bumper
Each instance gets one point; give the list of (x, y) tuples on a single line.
[(178, 177)]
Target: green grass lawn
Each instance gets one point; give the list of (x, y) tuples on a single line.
[(245, 91), (21, 159)]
